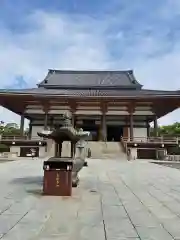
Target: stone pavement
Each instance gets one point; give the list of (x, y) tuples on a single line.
[(116, 200)]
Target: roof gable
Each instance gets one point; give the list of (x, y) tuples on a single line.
[(90, 79)]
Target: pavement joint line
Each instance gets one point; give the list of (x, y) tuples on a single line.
[(15, 224), (4, 210), (178, 215), (124, 207), (164, 205), (148, 209), (176, 199), (102, 212)]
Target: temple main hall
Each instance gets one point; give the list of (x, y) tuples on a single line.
[(111, 105)]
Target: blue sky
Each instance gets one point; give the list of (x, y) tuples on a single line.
[(141, 35)]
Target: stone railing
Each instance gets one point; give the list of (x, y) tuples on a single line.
[(8, 155), (173, 158)]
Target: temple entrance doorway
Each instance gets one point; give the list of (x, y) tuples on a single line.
[(93, 132), (114, 133), (90, 126)]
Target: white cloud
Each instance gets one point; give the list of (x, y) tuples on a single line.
[(54, 41), (59, 41)]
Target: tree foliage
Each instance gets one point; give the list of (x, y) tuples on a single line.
[(172, 130), (10, 129), (168, 130)]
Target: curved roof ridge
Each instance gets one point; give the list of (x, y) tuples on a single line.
[(89, 71)]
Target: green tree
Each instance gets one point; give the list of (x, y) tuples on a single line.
[(9, 129), (170, 130), (167, 130)]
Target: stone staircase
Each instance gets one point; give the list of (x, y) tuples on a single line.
[(100, 150), (107, 150)]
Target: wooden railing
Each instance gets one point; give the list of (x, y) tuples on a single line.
[(152, 140), (19, 138), (124, 141)]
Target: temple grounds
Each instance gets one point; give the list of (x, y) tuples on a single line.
[(116, 199)]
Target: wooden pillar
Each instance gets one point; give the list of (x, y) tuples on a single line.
[(131, 110), (104, 127), (30, 130), (46, 110), (46, 121), (22, 125), (100, 131), (73, 106), (148, 130), (103, 122), (73, 119), (51, 123), (131, 127), (155, 127)]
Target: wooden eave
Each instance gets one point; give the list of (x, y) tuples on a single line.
[(162, 104)]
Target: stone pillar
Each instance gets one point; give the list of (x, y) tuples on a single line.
[(131, 127), (72, 150), (22, 125), (60, 149), (155, 127), (56, 150)]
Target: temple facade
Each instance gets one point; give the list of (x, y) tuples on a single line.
[(109, 104)]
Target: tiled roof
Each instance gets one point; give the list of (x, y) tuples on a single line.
[(93, 79)]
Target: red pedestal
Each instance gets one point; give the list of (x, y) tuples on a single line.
[(57, 181)]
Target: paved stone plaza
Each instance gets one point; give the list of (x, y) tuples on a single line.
[(115, 200)]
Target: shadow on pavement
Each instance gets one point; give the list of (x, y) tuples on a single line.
[(38, 180)]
